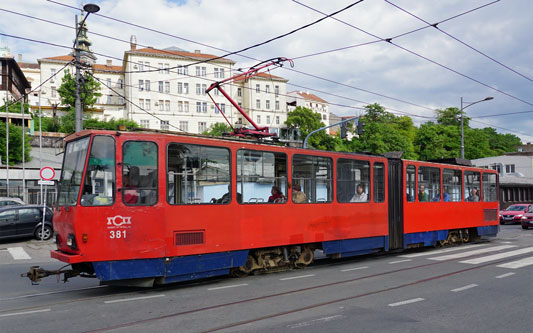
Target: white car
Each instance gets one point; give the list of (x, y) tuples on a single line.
[(4, 201)]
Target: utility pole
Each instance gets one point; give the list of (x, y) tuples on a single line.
[(23, 152), (77, 105), (7, 145)]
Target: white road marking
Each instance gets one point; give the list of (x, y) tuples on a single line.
[(315, 321), (18, 253), (297, 277), (506, 242), (133, 299), (504, 275), (399, 261), (23, 313), (464, 288), (414, 300), (50, 293), (518, 263), (354, 269), (430, 253), (498, 256), (471, 253), (232, 286)]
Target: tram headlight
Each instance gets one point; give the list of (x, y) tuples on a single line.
[(71, 241)]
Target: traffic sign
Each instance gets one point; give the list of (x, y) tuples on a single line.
[(47, 173), (45, 182)]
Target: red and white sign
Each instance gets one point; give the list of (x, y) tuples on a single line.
[(47, 173)]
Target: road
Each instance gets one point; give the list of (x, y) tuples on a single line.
[(474, 287)]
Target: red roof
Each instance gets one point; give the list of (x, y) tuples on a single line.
[(106, 68), (61, 58), (311, 97), (28, 65), (261, 75), (179, 53)]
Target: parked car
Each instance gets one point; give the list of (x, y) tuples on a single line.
[(514, 213), (5, 201), (25, 220), (527, 219)]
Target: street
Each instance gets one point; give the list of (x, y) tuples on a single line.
[(474, 287)]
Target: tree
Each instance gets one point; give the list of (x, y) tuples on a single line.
[(89, 92), (218, 129), (306, 121), (15, 137)]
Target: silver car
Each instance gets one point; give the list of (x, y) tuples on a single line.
[(4, 201)]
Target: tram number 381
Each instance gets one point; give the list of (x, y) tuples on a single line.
[(117, 234)]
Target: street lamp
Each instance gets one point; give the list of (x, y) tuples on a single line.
[(89, 8), (462, 128)]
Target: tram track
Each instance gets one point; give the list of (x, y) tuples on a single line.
[(301, 290)]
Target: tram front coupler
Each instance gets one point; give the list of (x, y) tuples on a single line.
[(36, 273)]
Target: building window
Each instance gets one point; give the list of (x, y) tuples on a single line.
[(185, 88), (165, 125), (216, 73), (277, 105), (184, 126), (120, 84), (204, 72), (147, 65), (202, 127), (167, 105), (52, 74), (223, 107), (267, 105), (216, 92), (509, 168), (324, 117), (180, 106), (267, 89), (160, 86), (259, 119), (145, 123), (198, 107), (141, 104), (257, 104), (222, 73), (180, 88), (120, 100), (160, 65), (167, 68), (197, 70), (185, 70), (161, 105), (276, 90), (167, 87), (141, 66), (148, 105), (239, 92), (180, 70), (268, 120), (108, 99), (108, 83), (186, 106), (141, 85), (204, 88), (198, 89), (147, 85), (54, 92), (277, 120), (204, 107), (257, 88)]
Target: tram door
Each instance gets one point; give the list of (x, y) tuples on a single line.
[(395, 204)]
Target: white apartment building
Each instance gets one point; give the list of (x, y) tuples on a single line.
[(310, 101)]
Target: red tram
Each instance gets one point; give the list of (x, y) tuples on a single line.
[(144, 208)]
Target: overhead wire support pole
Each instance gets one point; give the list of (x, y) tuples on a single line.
[(326, 127), (77, 105)]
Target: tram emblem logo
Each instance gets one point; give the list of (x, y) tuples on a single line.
[(118, 221)]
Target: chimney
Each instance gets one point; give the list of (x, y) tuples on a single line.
[(109, 62), (196, 51), (19, 57), (133, 42)]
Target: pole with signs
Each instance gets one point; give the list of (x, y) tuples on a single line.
[(47, 174)]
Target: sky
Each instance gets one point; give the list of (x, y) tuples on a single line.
[(481, 48)]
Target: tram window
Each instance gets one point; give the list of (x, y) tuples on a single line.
[(472, 184), (314, 174), (72, 171), (351, 174), (198, 174), (490, 187), (139, 173), (451, 182), (379, 182), (428, 184), (99, 183), (258, 172), (410, 183)]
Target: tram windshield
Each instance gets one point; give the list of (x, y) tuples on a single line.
[(72, 171)]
